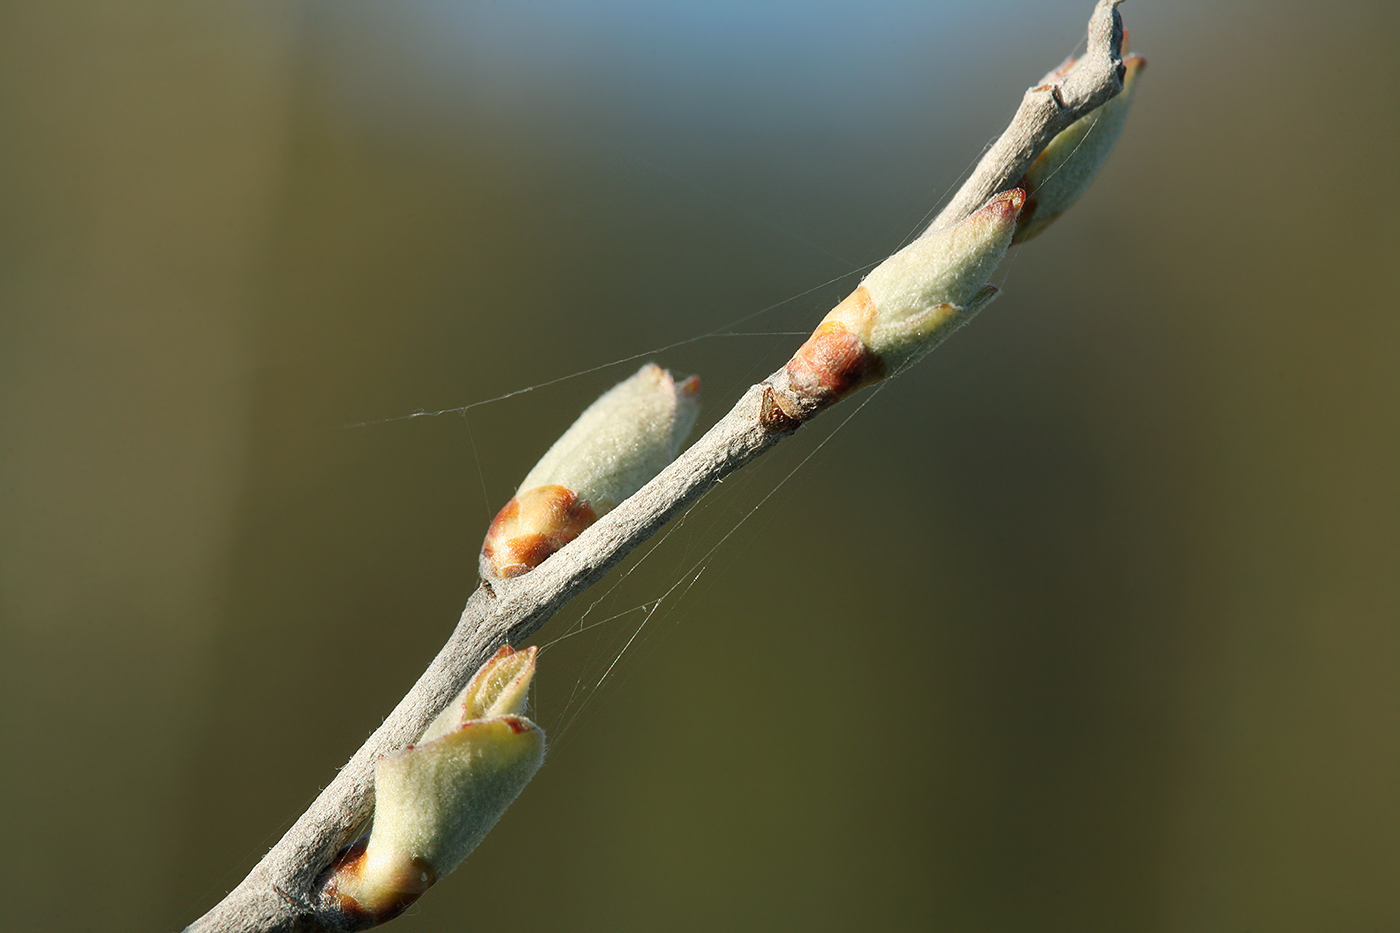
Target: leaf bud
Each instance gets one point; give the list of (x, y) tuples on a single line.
[(436, 800), (614, 448), (1068, 164), (907, 305)]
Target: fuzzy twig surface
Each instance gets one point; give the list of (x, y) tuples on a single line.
[(283, 892)]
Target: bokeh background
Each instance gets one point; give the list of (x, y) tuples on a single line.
[(1092, 622)]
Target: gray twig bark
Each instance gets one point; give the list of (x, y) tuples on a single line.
[(282, 892)]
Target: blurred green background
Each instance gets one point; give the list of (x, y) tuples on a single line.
[(1089, 623)]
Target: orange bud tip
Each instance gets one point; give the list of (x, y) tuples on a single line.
[(1007, 202)]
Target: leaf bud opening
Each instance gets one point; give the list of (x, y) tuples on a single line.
[(434, 801)]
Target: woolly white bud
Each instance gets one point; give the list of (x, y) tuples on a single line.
[(614, 448), (436, 800), (907, 305)]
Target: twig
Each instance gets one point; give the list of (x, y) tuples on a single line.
[(282, 892)]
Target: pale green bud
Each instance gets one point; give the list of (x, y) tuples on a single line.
[(614, 448), (436, 800), (922, 291), (907, 305), (1067, 166)]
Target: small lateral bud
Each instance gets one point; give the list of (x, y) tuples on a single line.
[(436, 800), (1067, 166), (907, 305), (614, 448)]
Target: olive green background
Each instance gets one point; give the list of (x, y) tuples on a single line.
[(1089, 623)]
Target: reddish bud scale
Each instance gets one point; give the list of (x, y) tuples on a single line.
[(416, 877), (533, 525), (835, 361)]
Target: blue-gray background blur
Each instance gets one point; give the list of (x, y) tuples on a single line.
[(1090, 623)]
